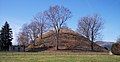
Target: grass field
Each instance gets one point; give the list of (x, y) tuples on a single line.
[(57, 57)]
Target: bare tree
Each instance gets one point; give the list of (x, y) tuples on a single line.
[(22, 40), (42, 24), (57, 15), (33, 30), (90, 27), (23, 36)]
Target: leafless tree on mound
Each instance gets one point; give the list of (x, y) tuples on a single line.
[(23, 37), (22, 40), (90, 27), (36, 28), (42, 23), (57, 15)]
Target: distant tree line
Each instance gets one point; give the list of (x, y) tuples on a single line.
[(5, 37)]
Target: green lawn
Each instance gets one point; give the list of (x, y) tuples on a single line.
[(57, 57)]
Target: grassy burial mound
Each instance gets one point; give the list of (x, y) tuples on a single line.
[(68, 40)]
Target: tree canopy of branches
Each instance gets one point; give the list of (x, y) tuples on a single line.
[(23, 39), (5, 37), (57, 15), (30, 32), (90, 27), (42, 23)]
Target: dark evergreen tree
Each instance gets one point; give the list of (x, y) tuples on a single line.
[(6, 37)]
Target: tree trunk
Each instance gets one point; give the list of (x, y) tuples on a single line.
[(92, 47), (24, 48), (41, 32), (57, 39), (92, 42), (33, 49)]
